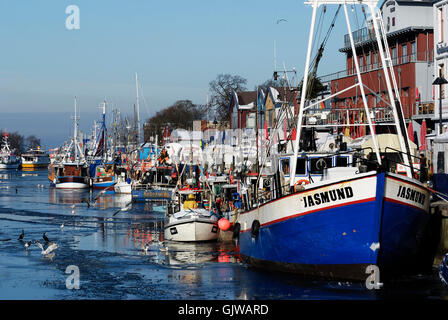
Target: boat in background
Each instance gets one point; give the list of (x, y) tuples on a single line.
[(73, 171), (8, 160), (35, 159), (123, 184), (101, 170)]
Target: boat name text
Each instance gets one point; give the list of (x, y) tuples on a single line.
[(327, 196), (411, 194)]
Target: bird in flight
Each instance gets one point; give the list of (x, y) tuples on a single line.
[(51, 247), (280, 20)]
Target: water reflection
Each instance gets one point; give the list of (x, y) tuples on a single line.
[(180, 253), (60, 196)]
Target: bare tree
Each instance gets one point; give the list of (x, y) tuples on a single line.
[(32, 142), (179, 115), (221, 90)]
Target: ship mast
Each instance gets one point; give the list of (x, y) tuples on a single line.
[(137, 104), (75, 133)]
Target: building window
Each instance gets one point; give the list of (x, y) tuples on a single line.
[(361, 65), (393, 22), (375, 60), (404, 53), (368, 61), (413, 51), (442, 74), (394, 55)]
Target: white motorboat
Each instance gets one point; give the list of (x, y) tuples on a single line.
[(192, 225), (188, 220)]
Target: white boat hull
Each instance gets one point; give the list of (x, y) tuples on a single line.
[(192, 228), (71, 185)]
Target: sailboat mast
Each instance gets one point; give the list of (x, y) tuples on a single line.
[(104, 131), (75, 133), (138, 109)]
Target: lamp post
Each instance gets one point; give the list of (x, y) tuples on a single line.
[(440, 81)]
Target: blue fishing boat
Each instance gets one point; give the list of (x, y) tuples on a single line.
[(332, 219)]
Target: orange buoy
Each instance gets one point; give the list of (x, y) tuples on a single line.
[(224, 224)]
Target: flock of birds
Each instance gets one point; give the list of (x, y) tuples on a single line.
[(48, 251)]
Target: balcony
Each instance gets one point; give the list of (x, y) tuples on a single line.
[(423, 56)]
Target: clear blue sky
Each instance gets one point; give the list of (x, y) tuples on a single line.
[(176, 47)]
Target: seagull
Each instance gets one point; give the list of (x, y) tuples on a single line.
[(73, 206), (21, 235), (126, 208), (62, 226), (45, 237), (52, 246), (145, 248)]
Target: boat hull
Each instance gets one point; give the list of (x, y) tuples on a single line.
[(106, 183), (123, 187), (193, 229), (72, 182), (362, 224), (34, 166), (9, 165)]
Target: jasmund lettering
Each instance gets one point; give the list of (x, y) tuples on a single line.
[(328, 196), (411, 194)]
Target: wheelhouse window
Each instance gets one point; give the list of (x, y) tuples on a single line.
[(285, 166), (316, 166), (301, 166), (341, 161)]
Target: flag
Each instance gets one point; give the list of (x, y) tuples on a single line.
[(322, 105), (411, 131), (293, 134), (423, 135)]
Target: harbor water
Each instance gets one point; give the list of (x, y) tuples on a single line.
[(104, 243)]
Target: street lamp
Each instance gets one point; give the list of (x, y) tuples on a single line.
[(440, 81)]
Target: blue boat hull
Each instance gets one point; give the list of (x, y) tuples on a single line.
[(340, 239)]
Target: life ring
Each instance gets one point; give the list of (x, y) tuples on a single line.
[(300, 182)]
